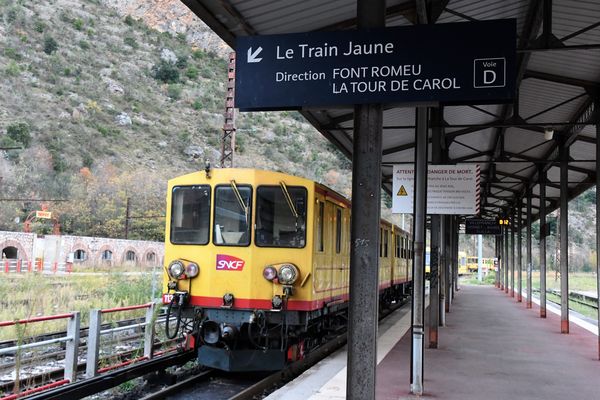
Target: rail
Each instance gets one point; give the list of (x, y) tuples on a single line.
[(95, 333), (71, 338), (71, 341)]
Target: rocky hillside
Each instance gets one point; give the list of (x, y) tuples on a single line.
[(105, 106), (174, 17)]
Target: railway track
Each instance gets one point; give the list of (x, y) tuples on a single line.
[(215, 385), (210, 384)]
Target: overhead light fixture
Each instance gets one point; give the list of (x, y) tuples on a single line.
[(548, 133)]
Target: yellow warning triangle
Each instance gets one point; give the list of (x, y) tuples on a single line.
[(402, 191)]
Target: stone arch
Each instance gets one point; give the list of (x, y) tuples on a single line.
[(147, 253), (81, 246), (136, 253), (21, 253), (101, 251)]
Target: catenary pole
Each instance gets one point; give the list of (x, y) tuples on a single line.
[(364, 253)]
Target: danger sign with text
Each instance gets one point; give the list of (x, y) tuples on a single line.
[(451, 189)]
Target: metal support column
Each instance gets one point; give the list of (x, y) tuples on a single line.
[(520, 250), (443, 268), (564, 238), (501, 257), (364, 251), (597, 108), (512, 256), (497, 255), (448, 263), (543, 233), (529, 249), (506, 258), (434, 259), (456, 260), (420, 209)]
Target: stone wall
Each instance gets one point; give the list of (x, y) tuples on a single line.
[(62, 249)]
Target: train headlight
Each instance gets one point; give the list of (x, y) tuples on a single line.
[(176, 269), (288, 273), (269, 273), (192, 270)]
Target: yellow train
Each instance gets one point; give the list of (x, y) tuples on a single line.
[(257, 265), (473, 264)]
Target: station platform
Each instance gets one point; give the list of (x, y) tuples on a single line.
[(492, 348)]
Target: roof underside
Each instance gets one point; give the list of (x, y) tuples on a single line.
[(558, 77)]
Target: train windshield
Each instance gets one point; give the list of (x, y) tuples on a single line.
[(281, 216), (190, 214), (232, 215)]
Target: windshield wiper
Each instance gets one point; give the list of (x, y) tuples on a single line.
[(238, 195), (289, 201)]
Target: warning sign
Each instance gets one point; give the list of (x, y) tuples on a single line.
[(451, 189)]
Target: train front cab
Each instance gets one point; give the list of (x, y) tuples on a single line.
[(242, 228)]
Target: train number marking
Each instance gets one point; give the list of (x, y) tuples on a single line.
[(229, 263), (167, 298)]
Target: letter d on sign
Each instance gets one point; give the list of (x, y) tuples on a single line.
[(489, 77)]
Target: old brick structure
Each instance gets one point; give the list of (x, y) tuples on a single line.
[(80, 249)]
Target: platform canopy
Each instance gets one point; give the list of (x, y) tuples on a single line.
[(558, 78)]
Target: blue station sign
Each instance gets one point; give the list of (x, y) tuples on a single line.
[(461, 63)]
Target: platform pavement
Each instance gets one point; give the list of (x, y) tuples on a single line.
[(495, 349), (492, 348)]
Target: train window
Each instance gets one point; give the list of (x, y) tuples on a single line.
[(320, 228), (190, 214), (397, 246), (338, 231), (233, 205), (281, 216), (385, 243)]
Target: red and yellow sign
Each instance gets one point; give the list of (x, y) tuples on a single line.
[(43, 214)]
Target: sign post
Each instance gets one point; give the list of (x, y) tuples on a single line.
[(427, 64)]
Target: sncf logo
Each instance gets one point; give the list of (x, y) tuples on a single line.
[(229, 263)]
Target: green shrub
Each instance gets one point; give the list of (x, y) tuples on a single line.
[(174, 91), (198, 54), (39, 26), (50, 45), (129, 20), (84, 45), (165, 72), (78, 24), (12, 54), (87, 160), (192, 73), (131, 42), (182, 62), (197, 105), (12, 69), (19, 132)]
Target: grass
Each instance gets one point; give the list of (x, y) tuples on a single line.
[(31, 295)]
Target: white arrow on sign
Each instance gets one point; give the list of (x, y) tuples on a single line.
[(252, 56)]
